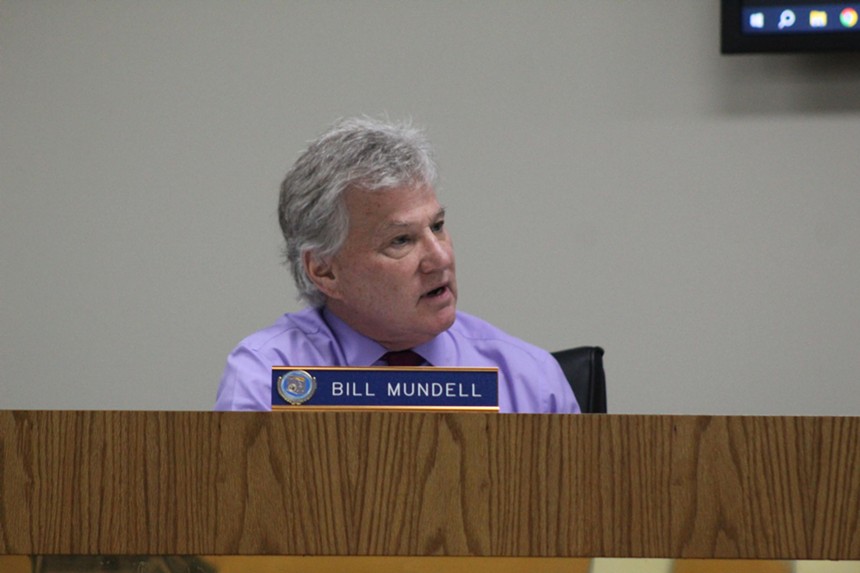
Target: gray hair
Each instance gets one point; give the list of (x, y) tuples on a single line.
[(358, 153)]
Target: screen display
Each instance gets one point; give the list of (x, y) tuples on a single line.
[(790, 26)]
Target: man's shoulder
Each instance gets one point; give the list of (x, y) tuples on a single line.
[(485, 335), (299, 325), (530, 379)]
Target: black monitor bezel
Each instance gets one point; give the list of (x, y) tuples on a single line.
[(733, 40)]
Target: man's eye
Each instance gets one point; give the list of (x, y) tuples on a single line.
[(438, 226), (400, 241)]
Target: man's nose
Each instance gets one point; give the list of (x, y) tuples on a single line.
[(438, 254)]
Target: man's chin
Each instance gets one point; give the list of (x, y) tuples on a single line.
[(447, 318), (442, 321)]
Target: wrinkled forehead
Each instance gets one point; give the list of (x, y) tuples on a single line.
[(374, 210)]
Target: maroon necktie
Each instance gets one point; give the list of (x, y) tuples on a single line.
[(403, 358)]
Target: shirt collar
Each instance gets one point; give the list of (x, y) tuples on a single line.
[(440, 351), (360, 350)]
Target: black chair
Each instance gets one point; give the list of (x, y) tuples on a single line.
[(583, 368)]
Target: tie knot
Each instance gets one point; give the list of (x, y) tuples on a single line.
[(403, 358)]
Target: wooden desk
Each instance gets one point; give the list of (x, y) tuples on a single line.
[(411, 484)]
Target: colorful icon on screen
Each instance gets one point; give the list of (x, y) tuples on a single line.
[(786, 19), (818, 18), (848, 17)]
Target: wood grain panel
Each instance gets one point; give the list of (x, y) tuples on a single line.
[(405, 484)]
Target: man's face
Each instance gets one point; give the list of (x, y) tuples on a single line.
[(393, 280)]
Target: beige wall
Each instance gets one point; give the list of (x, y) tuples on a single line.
[(610, 178)]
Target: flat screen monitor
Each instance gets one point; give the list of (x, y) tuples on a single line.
[(750, 26)]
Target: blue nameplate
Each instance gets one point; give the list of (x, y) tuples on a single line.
[(386, 388)]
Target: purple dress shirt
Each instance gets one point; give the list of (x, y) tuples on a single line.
[(530, 380)]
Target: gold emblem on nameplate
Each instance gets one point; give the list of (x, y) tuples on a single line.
[(296, 386)]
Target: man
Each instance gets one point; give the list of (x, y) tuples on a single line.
[(370, 254)]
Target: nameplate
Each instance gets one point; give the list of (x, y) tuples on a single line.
[(388, 388)]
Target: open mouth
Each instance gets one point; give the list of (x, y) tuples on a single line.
[(436, 291)]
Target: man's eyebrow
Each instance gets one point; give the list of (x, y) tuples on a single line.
[(390, 225)]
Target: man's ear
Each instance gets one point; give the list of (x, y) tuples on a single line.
[(321, 273)]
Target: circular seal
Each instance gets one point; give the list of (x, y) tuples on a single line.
[(296, 386)]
